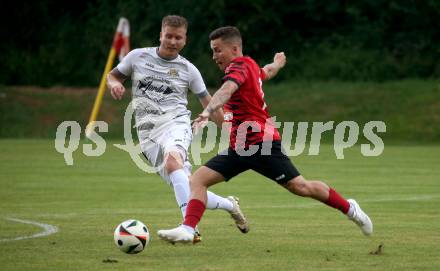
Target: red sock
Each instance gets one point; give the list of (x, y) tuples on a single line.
[(194, 213), (337, 201)]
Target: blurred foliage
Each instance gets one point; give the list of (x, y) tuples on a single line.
[(51, 42)]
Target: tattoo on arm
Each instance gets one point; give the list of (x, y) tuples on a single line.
[(222, 96), (270, 70)]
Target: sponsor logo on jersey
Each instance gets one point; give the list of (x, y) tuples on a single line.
[(173, 72), (149, 86), (149, 64)]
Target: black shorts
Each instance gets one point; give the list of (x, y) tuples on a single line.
[(276, 165)]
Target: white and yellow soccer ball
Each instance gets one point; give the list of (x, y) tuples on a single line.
[(131, 236)]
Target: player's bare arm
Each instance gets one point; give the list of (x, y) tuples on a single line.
[(217, 115), (279, 60), (115, 80), (221, 97)]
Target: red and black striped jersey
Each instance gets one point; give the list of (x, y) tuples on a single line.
[(246, 109)]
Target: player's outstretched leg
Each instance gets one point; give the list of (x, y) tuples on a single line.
[(322, 192)]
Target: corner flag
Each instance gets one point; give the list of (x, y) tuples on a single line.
[(120, 46)]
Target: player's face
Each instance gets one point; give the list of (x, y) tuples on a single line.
[(172, 40), (223, 53)]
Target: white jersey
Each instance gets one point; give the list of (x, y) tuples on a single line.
[(159, 87)]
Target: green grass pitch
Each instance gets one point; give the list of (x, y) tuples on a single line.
[(400, 190)]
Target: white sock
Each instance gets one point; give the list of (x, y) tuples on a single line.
[(180, 182), (217, 202)]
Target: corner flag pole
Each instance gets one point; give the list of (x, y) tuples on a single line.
[(121, 46)]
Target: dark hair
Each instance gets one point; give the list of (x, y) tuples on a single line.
[(174, 21), (226, 33)]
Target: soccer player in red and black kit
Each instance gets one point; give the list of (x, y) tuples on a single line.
[(254, 141)]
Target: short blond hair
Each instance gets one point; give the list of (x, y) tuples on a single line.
[(174, 21)]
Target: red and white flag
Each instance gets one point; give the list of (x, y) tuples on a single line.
[(121, 41)]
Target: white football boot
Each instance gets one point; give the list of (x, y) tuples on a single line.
[(177, 235), (238, 216), (360, 218)]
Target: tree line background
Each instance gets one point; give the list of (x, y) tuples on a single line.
[(49, 43)]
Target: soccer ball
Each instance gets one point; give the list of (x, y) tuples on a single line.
[(131, 236)]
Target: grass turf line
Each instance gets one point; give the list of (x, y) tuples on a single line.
[(399, 190)]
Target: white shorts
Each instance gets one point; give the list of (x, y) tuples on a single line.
[(175, 135)]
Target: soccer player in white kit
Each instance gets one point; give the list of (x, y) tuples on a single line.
[(161, 79)]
